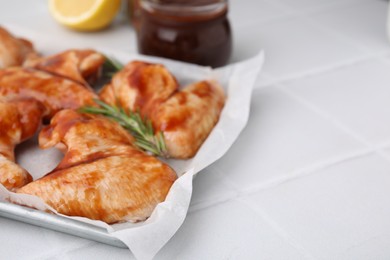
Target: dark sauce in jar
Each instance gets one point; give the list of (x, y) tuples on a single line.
[(196, 31)]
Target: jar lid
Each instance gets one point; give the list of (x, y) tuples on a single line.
[(185, 7), (186, 2)]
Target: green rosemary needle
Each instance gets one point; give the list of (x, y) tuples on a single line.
[(141, 128)]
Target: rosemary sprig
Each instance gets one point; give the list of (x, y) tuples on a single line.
[(111, 66), (140, 128)]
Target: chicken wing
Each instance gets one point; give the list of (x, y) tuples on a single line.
[(55, 93), (140, 85), (82, 66), (102, 176), (186, 117), (13, 51), (84, 137), (19, 120)]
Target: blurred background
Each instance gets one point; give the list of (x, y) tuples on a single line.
[(280, 27)]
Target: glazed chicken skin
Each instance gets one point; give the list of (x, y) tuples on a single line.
[(82, 66), (186, 117), (140, 85), (83, 137), (55, 93), (13, 51), (102, 176), (19, 120)]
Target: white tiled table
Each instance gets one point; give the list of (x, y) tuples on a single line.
[(309, 178)]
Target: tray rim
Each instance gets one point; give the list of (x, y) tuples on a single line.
[(58, 223)]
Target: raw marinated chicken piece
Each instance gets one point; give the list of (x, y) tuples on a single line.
[(140, 85), (13, 51), (69, 130), (82, 66), (55, 93), (19, 120), (12, 176), (102, 176), (186, 117)]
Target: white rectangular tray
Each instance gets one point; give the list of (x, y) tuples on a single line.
[(58, 223)]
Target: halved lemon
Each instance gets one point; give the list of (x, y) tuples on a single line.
[(84, 15)]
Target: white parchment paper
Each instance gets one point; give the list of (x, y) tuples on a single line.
[(145, 239)]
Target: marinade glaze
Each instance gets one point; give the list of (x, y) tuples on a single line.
[(192, 31)]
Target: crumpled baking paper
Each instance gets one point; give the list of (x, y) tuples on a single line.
[(146, 238)]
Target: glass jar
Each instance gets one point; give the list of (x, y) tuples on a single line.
[(196, 31), (133, 11)]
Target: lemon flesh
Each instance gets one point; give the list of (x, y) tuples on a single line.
[(84, 15)]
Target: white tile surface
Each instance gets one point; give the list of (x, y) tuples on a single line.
[(15, 11), (210, 186), (20, 241), (94, 251), (227, 231), (337, 213), (281, 138), (299, 5), (261, 11), (362, 22), (290, 51), (264, 80), (372, 248), (386, 149), (356, 96)]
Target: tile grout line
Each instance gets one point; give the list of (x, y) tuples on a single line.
[(312, 107), (305, 171), (370, 149), (219, 199), (293, 13), (207, 204), (279, 230), (315, 9), (265, 22), (239, 195), (374, 148), (318, 71), (337, 33), (315, 23), (288, 176)]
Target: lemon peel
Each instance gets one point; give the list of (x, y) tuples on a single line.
[(84, 15)]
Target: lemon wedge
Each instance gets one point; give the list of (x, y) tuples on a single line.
[(84, 15)]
